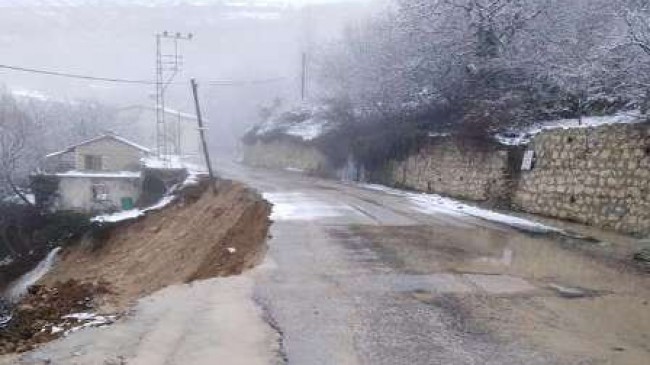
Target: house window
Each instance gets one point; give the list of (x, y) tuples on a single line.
[(92, 162), (100, 192)]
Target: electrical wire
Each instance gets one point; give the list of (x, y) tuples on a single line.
[(141, 82), (75, 76)]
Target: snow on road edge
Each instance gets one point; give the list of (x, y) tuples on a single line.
[(436, 204)]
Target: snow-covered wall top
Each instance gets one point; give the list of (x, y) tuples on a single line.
[(525, 135), (306, 122)]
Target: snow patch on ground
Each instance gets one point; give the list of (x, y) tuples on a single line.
[(85, 320), (436, 204), (5, 315), (191, 180), (132, 213), (521, 137), (118, 217), (6, 261), (77, 321), (182, 324)]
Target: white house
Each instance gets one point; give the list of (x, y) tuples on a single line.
[(100, 174)]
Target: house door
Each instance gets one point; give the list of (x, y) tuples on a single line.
[(127, 203)]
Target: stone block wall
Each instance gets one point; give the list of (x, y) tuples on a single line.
[(597, 176), (448, 167), (284, 154)]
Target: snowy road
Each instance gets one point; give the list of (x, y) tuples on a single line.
[(367, 275)]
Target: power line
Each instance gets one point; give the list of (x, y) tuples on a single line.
[(76, 76), (246, 82), (142, 82)]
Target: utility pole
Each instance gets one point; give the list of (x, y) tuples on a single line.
[(179, 137), (168, 65), (303, 78), (202, 133)]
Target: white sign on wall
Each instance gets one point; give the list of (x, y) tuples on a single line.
[(527, 162)]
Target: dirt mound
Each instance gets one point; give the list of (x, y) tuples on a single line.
[(199, 236), (41, 315)]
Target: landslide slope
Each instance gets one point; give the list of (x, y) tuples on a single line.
[(201, 235)]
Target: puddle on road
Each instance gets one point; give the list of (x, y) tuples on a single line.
[(582, 308), (299, 206), (541, 260)]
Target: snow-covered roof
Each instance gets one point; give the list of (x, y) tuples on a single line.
[(57, 153), (105, 136), (524, 136), (126, 215), (101, 174)]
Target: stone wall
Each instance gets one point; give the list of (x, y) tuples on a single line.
[(285, 154), (449, 167), (597, 176)]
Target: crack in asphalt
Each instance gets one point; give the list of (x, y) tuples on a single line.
[(269, 319)]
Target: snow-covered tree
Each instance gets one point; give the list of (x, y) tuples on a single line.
[(491, 62), (637, 18)]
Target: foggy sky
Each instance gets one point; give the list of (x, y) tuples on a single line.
[(250, 42)]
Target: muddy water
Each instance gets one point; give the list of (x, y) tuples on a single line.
[(582, 305)]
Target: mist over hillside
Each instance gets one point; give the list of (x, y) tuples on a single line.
[(242, 53)]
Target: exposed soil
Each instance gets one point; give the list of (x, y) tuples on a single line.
[(39, 316), (585, 307), (201, 235)]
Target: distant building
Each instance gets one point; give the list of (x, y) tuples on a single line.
[(97, 175)]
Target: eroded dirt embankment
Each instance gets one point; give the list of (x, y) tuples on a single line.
[(199, 236)]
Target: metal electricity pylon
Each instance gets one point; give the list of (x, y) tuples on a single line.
[(169, 63)]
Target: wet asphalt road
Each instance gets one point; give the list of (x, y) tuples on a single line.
[(335, 299), (361, 275)]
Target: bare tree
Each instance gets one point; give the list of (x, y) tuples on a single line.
[(14, 129)]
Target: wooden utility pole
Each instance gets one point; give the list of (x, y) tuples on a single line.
[(303, 77), (202, 133)]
